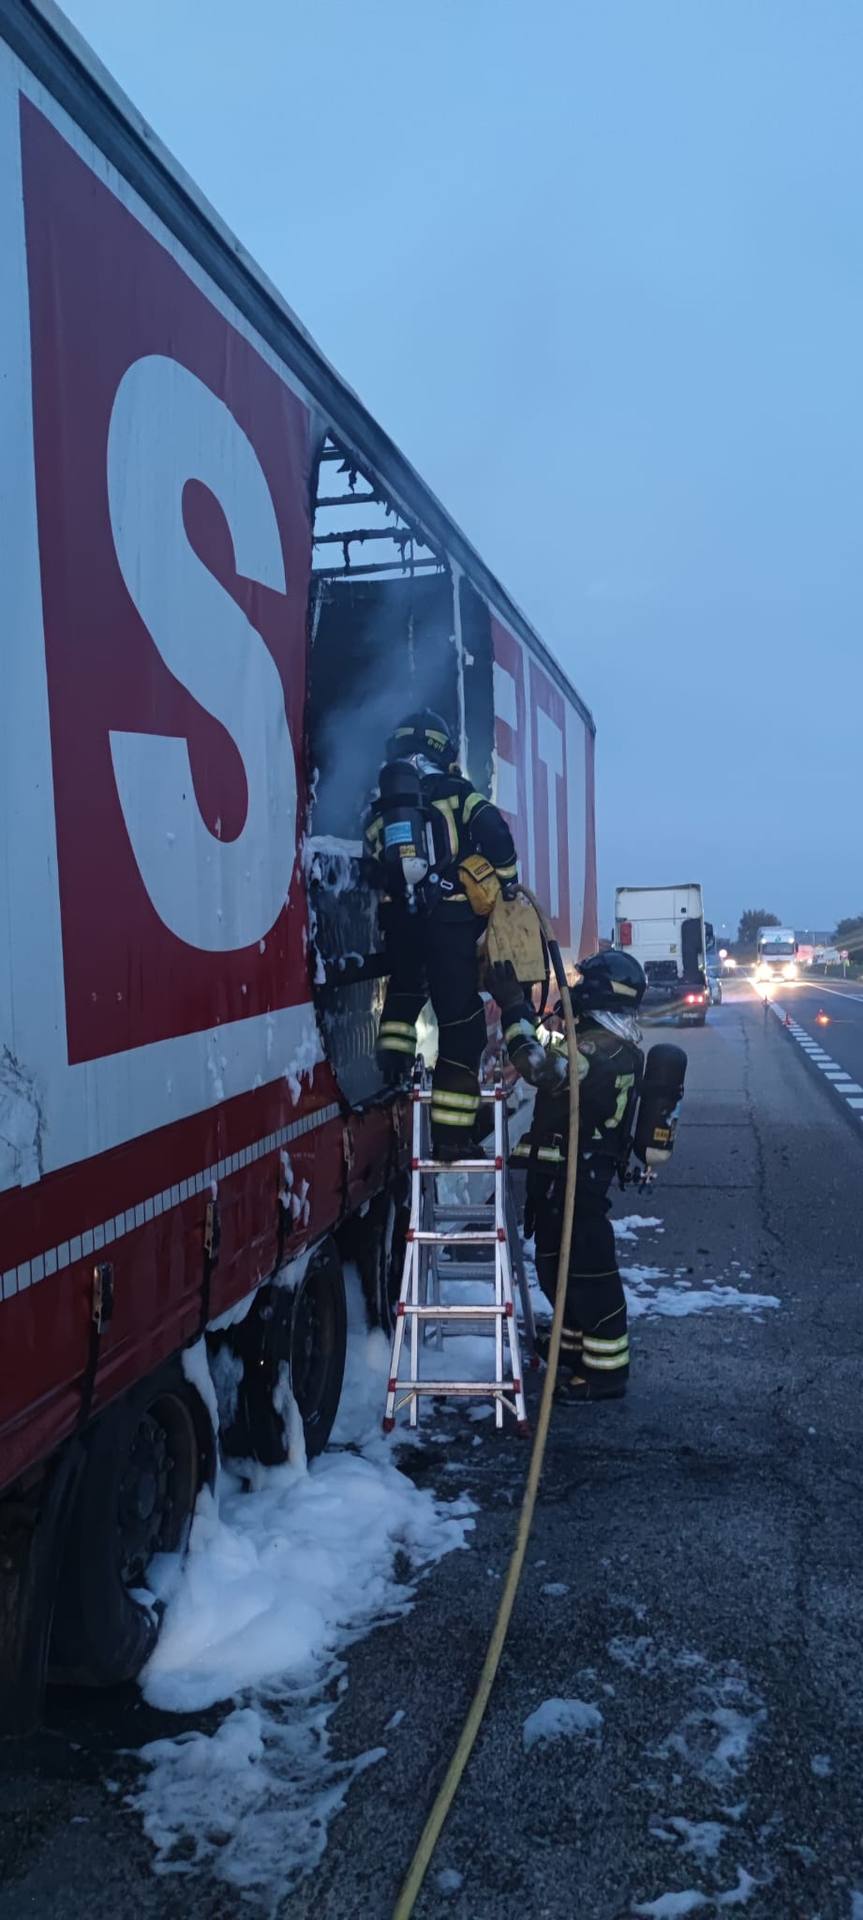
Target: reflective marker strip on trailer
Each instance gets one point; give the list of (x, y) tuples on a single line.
[(85, 1244)]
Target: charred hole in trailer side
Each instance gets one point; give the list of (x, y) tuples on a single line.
[(383, 641)]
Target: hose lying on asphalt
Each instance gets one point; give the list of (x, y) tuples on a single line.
[(431, 1831)]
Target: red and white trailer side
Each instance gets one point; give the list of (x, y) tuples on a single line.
[(175, 1124)]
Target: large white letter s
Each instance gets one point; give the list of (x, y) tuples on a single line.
[(167, 428)]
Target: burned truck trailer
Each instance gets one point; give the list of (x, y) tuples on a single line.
[(221, 585)]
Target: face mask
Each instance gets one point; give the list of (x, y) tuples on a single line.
[(624, 1025)]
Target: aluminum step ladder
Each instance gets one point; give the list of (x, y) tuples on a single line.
[(451, 1243)]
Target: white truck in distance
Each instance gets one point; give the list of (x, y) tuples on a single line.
[(664, 928), (776, 954)]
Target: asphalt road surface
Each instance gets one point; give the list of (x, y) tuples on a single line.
[(693, 1578)]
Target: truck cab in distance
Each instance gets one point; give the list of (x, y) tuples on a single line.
[(665, 929), (776, 954)]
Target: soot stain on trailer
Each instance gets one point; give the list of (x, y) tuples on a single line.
[(21, 1124)]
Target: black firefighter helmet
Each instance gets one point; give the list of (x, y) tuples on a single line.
[(426, 733), (611, 982)]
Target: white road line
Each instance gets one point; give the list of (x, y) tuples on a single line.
[(837, 1076)]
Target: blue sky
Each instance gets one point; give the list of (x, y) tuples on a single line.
[(599, 270)]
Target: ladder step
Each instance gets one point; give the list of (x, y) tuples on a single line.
[(480, 1388), (454, 1166), (428, 1237), (477, 1213), (446, 1312), (466, 1270)]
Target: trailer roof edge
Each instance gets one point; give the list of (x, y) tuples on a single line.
[(48, 43)]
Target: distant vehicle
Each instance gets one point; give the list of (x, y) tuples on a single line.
[(805, 955), (665, 929), (714, 984), (826, 957), (776, 954)]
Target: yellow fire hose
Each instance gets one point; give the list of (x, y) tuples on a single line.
[(430, 1835)]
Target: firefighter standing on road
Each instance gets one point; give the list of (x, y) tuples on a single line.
[(431, 944), (594, 1352)]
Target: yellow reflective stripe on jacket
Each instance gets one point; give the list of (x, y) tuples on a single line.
[(508, 873), (624, 1082), (523, 1029), (448, 807), (449, 1119), (399, 1026), (393, 1043), (473, 801), (593, 1361), (597, 1345)]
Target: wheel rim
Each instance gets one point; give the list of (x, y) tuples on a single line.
[(158, 1487)]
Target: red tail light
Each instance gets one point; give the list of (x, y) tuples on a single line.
[(626, 933), (695, 999)]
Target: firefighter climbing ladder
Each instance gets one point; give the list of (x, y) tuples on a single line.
[(441, 1238)]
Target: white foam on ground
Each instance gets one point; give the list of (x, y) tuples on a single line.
[(646, 1298), (715, 1738), (669, 1906), (703, 1838), (630, 1224), (738, 1895), (560, 1720), (277, 1582)]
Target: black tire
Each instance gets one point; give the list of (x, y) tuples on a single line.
[(146, 1459), (303, 1329), (375, 1243)]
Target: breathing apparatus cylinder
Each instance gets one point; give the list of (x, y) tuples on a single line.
[(408, 836), (659, 1105)]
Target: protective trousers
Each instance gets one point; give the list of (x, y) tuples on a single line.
[(594, 1342), (433, 957)]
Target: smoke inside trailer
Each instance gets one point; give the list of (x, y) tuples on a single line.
[(379, 649)]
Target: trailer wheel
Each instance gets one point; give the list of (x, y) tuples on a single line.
[(292, 1338), (146, 1460), (374, 1242), (388, 1254)]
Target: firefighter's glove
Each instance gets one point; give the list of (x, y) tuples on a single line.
[(554, 1072), (502, 984)]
